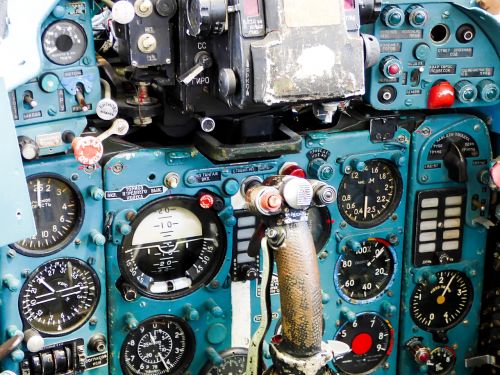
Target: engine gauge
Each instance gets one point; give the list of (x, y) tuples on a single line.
[(160, 345), (441, 306), (234, 362), (370, 338), (64, 42), (442, 361), (364, 275), (59, 296), (369, 197), (58, 210), (175, 247)]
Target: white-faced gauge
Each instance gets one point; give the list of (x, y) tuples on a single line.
[(59, 296), (160, 345), (175, 247), (58, 209)]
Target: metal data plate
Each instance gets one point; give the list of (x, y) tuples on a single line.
[(16, 217)]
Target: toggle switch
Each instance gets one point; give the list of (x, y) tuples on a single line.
[(203, 61)]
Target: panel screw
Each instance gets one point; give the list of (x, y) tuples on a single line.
[(117, 168)]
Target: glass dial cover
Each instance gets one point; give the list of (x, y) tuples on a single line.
[(64, 42)]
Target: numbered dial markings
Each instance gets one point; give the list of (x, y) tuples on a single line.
[(58, 211), (441, 306), (159, 345), (59, 296), (64, 42), (362, 276), (369, 197), (174, 248), (234, 362), (370, 338), (442, 361)]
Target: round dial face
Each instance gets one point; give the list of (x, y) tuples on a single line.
[(464, 142), (159, 345), (364, 275), (234, 363), (59, 296), (370, 338), (58, 211), (320, 224), (64, 42), (369, 197), (441, 306), (174, 248), (442, 361)]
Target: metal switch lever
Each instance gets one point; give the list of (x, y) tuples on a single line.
[(203, 61), (10, 345)]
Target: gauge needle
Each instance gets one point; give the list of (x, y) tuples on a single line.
[(163, 361), (377, 254), (38, 194), (366, 206), (448, 286), (43, 282)]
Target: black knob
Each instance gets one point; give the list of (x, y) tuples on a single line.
[(166, 8), (97, 343), (128, 293), (249, 272), (456, 163), (443, 258)]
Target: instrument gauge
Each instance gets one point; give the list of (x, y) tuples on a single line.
[(364, 275), (442, 361), (368, 197), (442, 305), (370, 338), (64, 42), (174, 248), (234, 362), (160, 345), (59, 296), (57, 206)]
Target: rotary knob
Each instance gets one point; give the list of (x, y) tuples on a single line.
[(392, 16), (206, 17)]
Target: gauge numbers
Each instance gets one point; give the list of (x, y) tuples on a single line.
[(370, 338), (364, 275), (174, 248), (441, 306), (159, 345), (442, 361), (59, 296), (58, 210), (64, 42), (368, 197), (234, 362)]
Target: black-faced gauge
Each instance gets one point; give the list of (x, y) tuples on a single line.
[(64, 42), (234, 362), (368, 197), (59, 296), (160, 345), (442, 305), (442, 361), (175, 247), (320, 224), (364, 275), (370, 338), (466, 145), (58, 209)]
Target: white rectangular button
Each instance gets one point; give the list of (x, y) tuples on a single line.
[(452, 223), (245, 258), (451, 234), (428, 236), (245, 234), (248, 221), (427, 248), (453, 212), (428, 225), (429, 214), (453, 201), (450, 245), (430, 202), (243, 245)]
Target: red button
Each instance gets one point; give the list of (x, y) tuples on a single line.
[(393, 69), (206, 201), (294, 170), (495, 174), (423, 357), (88, 150), (441, 95), (362, 344)]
